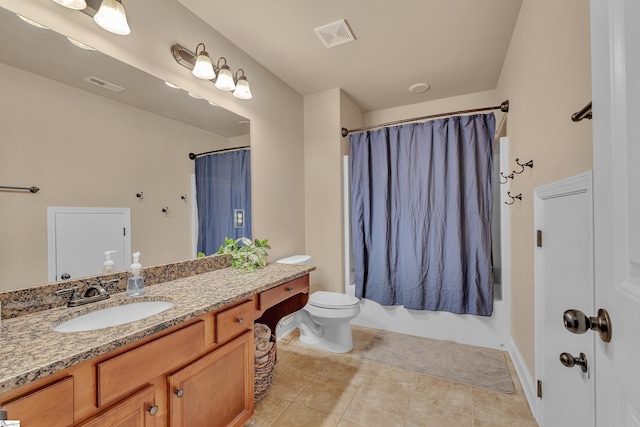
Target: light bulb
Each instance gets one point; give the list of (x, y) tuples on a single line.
[(225, 79), (72, 4), (242, 89), (203, 68), (112, 17)]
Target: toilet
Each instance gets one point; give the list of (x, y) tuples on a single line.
[(325, 321)]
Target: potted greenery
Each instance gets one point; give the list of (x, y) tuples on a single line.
[(245, 254)]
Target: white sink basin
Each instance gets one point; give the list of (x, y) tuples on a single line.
[(113, 316)]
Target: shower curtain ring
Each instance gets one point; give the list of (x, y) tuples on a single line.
[(513, 198)]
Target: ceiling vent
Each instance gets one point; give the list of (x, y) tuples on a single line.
[(335, 34), (103, 84)]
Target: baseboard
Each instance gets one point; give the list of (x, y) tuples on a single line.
[(528, 383)]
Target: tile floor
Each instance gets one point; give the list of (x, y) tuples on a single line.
[(317, 388)]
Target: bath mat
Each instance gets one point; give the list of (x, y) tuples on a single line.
[(476, 366)]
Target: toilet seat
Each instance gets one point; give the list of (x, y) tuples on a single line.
[(332, 300)]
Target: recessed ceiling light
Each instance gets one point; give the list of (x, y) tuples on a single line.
[(32, 22), (193, 95), (213, 103), (171, 85), (243, 122), (419, 87), (79, 44)]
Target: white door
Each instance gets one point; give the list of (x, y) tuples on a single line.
[(78, 238), (564, 280), (615, 56)]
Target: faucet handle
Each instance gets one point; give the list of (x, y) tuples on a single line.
[(71, 290)]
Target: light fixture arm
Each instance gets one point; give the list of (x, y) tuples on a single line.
[(222, 58)]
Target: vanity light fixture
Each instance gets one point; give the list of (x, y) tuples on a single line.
[(72, 4), (225, 78), (222, 76), (112, 17), (243, 91), (203, 69)]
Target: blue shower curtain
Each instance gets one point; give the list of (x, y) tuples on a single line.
[(223, 193), (421, 200)]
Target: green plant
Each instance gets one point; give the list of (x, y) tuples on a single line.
[(245, 254)]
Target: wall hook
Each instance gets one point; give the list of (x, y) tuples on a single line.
[(522, 165), (140, 195), (513, 198), (506, 177), (165, 211), (184, 198)]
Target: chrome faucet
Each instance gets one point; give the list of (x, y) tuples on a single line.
[(92, 294)]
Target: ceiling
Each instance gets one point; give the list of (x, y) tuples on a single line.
[(456, 46)]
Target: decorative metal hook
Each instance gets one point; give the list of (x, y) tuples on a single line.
[(165, 211), (513, 198), (506, 177), (184, 198), (140, 195), (522, 165)]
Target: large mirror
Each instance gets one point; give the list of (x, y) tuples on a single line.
[(93, 132)]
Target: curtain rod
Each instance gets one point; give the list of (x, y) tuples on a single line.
[(29, 189), (193, 156), (584, 113), (504, 107)]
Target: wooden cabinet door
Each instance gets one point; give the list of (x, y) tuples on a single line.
[(216, 390), (137, 410), (50, 406)]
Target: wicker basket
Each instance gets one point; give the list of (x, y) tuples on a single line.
[(263, 374)]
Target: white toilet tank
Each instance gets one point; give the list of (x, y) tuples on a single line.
[(295, 259)]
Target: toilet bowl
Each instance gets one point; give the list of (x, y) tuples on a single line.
[(325, 321)]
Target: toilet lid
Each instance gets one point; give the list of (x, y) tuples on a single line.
[(332, 300)]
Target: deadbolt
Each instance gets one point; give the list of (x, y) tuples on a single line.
[(577, 322), (570, 361)]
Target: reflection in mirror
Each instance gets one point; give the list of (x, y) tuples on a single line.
[(93, 132)]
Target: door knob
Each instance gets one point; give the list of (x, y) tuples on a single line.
[(577, 322), (570, 361)]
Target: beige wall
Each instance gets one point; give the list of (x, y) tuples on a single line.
[(325, 113), (275, 112), (546, 77)]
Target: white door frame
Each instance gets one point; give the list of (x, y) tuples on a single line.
[(574, 185), (53, 212)]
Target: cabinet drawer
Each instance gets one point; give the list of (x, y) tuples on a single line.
[(234, 321), (286, 290), (50, 406), (121, 375)]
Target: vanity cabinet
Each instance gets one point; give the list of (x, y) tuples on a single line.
[(199, 373), (51, 405), (216, 390), (138, 410)]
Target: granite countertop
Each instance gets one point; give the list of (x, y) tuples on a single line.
[(30, 349)]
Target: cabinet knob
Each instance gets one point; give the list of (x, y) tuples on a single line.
[(153, 409), (240, 320), (290, 289), (179, 392)]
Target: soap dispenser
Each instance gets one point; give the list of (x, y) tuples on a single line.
[(109, 266), (135, 285)]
